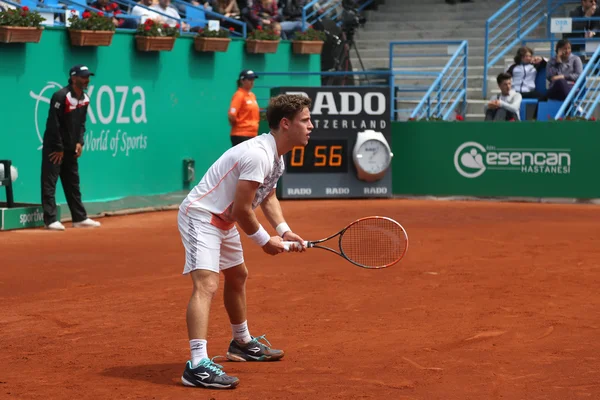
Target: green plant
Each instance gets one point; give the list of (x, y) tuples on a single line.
[(310, 35), (91, 21), (21, 17), (156, 29), (264, 34), (221, 33)]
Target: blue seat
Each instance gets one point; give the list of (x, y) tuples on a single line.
[(523, 109), (540, 81), (548, 109), (195, 17)]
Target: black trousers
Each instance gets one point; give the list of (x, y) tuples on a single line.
[(235, 140), (68, 171)]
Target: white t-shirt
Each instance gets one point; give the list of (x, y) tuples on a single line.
[(253, 160), (170, 11)]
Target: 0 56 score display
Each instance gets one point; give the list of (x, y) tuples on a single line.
[(320, 155)]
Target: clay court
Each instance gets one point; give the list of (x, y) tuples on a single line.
[(492, 301)]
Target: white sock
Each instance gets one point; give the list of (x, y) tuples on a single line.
[(241, 333), (198, 348)]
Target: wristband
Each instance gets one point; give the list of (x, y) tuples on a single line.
[(260, 237), (282, 228)]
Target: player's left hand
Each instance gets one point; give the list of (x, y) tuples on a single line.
[(292, 237), (78, 150)]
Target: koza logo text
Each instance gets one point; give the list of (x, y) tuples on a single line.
[(472, 159)]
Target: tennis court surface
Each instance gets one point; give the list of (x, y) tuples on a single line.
[(492, 301)]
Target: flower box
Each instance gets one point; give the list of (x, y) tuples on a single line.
[(261, 46), (155, 43), (90, 38), (20, 34), (204, 44), (307, 46)]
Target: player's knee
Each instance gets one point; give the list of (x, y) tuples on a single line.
[(237, 276), (205, 284)]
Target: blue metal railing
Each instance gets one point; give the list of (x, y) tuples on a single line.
[(585, 95), (434, 78), (332, 9), (507, 27)]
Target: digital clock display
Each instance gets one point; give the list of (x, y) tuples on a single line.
[(320, 155)]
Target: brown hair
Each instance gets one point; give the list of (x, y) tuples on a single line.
[(286, 106), (503, 77), (521, 53)]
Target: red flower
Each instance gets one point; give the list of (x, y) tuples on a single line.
[(25, 9), (460, 117), (559, 119), (149, 22), (100, 14), (200, 30), (177, 26), (231, 29), (117, 12), (412, 119), (511, 120), (86, 14), (165, 26), (73, 12), (259, 28), (114, 6), (147, 27), (593, 119)]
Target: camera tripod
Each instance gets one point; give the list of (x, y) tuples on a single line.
[(341, 60)]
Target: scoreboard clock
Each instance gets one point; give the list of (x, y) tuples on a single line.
[(349, 151)]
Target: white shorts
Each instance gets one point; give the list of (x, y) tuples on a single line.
[(206, 246)]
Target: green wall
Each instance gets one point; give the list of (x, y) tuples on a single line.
[(525, 159), (148, 111)]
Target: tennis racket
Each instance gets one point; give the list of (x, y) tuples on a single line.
[(369, 242)]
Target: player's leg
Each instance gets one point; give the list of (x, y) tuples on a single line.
[(243, 346), (69, 176), (50, 173), (201, 242)]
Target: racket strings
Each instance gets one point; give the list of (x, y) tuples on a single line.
[(374, 242)]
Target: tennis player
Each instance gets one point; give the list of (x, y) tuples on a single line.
[(242, 179)]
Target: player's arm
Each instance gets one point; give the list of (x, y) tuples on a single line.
[(274, 214), (244, 215)]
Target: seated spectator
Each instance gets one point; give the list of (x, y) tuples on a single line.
[(140, 12), (5, 6), (228, 8), (584, 29), (110, 8), (562, 71), (172, 17), (524, 72), (264, 13), (292, 17), (506, 105)]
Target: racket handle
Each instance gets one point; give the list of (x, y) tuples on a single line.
[(288, 245)]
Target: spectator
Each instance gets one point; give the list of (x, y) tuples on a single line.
[(172, 17), (524, 73), (264, 13), (562, 71), (228, 8), (244, 113), (292, 17), (140, 12), (109, 8), (584, 29), (5, 6), (506, 105)]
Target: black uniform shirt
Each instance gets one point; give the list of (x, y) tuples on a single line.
[(65, 125)]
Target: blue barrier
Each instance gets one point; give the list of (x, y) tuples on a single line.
[(446, 83), (585, 95)]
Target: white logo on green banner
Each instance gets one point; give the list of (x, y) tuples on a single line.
[(472, 159)]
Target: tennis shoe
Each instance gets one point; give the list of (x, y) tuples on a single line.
[(253, 351), (207, 374)]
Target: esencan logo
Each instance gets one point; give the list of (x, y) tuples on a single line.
[(472, 159)]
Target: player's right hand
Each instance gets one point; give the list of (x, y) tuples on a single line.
[(274, 246)]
